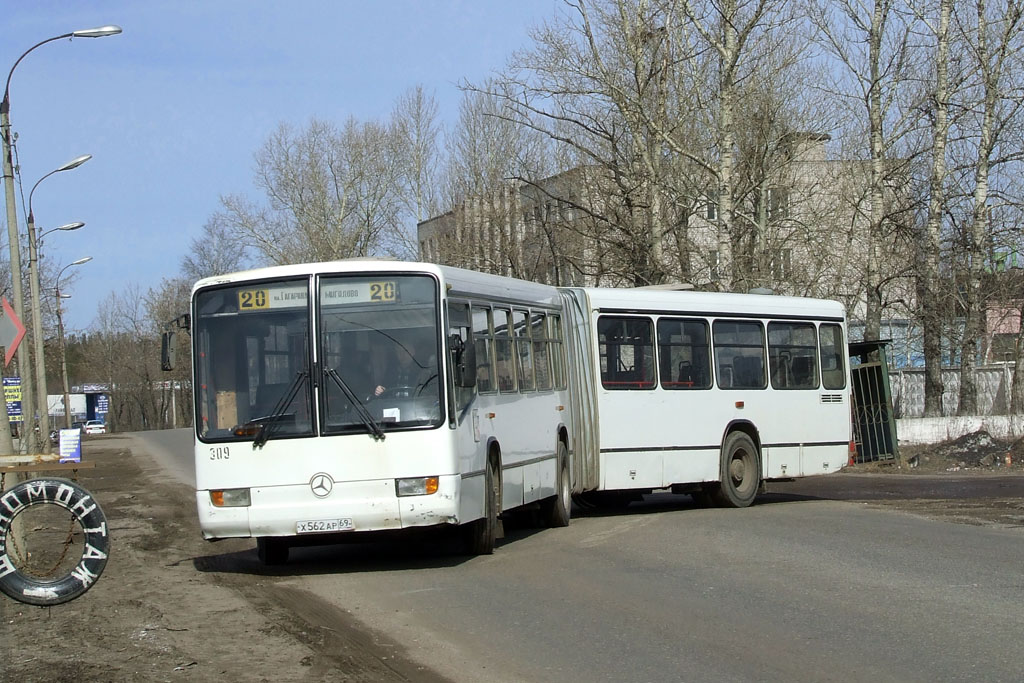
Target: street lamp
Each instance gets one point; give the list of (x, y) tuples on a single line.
[(66, 227), (12, 219), (42, 405), (63, 348)]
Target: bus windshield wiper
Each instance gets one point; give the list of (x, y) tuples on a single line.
[(269, 424), (364, 414)]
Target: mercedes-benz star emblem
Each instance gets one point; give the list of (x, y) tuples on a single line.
[(322, 484)]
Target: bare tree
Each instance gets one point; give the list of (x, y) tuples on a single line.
[(930, 289), (490, 158), (597, 83), (995, 52), (417, 135), (336, 192), (869, 44), (214, 252), (123, 351)]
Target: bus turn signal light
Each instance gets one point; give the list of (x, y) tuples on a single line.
[(416, 486), (230, 498)]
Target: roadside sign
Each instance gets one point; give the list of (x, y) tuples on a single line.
[(12, 395), (11, 332), (70, 445)]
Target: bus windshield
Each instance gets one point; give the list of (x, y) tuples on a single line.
[(253, 361), (377, 348)]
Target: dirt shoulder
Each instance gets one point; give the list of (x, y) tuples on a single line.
[(161, 611), (976, 480)]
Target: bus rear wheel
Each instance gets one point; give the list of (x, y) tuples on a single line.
[(271, 550), (741, 472), (556, 510), (482, 533)]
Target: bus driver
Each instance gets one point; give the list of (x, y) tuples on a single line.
[(407, 371)]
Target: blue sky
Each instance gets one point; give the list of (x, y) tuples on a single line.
[(174, 108)]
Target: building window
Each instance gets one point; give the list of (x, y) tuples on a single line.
[(782, 265), (778, 202), (714, 265), (711, 205)]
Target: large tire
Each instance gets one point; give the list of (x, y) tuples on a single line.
[(482, 533), (271, 550), (86, 514), (556, 510), (741, 472)]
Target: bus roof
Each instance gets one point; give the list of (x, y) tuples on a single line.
[(459, 280), (470, 284), (712, 303)]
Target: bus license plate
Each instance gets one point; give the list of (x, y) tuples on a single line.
[(318, 526)]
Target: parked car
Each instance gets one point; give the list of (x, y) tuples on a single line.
[(80, 426), (95, 427)]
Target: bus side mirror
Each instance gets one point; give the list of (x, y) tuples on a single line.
[(464, 362), (168, 350)]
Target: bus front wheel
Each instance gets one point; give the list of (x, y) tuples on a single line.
[(741, 475), (481, 533)]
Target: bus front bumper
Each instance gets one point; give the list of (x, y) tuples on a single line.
[(350, 507)]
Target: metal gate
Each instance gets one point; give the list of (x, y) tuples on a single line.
[(874, 427)]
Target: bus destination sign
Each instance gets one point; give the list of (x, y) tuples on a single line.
[(340, 293)]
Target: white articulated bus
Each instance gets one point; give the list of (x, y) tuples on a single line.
[(373, 396)]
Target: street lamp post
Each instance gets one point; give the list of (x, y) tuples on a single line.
[(42, 405), (63, 347), (12, 221)]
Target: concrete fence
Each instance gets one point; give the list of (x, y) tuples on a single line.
[(926, 430), (994, 384)]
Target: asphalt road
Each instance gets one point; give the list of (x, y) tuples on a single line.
[(801, 586)]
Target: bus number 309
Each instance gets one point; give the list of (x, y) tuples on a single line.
[(220, 453)]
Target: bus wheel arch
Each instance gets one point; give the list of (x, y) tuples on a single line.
[(740, 467)]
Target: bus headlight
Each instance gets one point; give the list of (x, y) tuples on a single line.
[(416, 486), (230, 498)]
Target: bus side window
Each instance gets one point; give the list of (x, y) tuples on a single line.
[(483, 338), (739, 354), (541, 347), (833, 372), (626, 346), (505, 362), (557, 350), (791, 355), (685, 354), (524, 350), (459, 329)]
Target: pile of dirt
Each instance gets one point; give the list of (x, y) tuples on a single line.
[(978, 452)]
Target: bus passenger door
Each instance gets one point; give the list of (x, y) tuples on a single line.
[(463, 417)]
